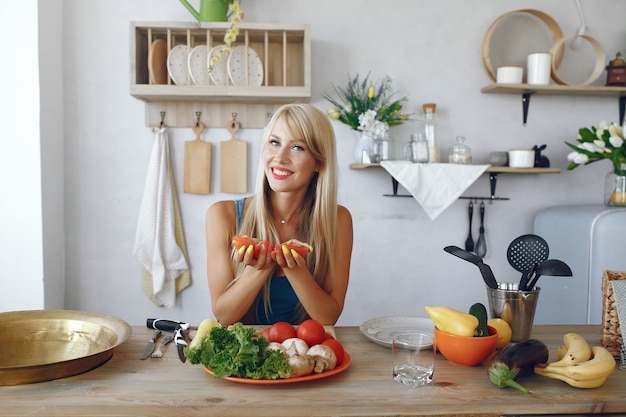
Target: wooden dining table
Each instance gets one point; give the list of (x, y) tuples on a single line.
[(128, 386)]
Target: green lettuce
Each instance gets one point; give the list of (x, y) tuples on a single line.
[(236, 352)]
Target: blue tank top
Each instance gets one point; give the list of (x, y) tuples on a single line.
[(283, 299)]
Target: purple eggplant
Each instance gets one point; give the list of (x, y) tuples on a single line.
[(515, 360)]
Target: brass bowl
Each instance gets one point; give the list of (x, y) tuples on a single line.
[(41, 345)]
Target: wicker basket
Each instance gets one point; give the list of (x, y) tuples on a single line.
[(611, 333)]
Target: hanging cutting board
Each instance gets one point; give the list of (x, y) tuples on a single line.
[(197, 177), (233, 162)]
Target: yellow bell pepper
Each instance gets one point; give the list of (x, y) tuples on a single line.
[(452, 321)]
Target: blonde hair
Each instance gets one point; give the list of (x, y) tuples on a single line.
[(318, 214)]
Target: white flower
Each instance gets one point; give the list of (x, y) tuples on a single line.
[(616, 141), (578, 158)]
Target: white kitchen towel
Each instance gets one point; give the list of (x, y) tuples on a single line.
[(155, 240), (434, 185)]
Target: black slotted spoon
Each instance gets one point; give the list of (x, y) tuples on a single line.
[(524, 253)]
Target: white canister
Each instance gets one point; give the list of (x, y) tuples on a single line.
[(521, 158), (538, 71), (509, 75)]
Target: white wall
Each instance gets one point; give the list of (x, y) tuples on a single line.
[(432, 50), (21, 261)]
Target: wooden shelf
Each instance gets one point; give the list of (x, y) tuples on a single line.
[(507, 170), (527, 90), (284, 51), (493, 178), (555, 90)]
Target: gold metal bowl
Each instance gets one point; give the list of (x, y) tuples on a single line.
[(40, 345)]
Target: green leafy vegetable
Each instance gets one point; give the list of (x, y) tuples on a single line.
[(479, 311), (236, 352)]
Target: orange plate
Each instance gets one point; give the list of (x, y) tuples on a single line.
[(347, 360)]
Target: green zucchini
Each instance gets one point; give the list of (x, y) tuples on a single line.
[(479, 311)]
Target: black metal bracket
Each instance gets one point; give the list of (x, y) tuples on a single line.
[(526, 105), (394, 185), (493, 180), (622, 108)]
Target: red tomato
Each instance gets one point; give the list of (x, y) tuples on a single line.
[(311, 331), (266, 333), (336, 347), (281, 331), (328, 336)]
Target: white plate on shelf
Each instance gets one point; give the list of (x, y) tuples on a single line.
[(197, 65), (219, 74), (237, 67), (177, 64), (381, 330)]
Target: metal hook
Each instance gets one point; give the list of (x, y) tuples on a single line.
[(198, 113), (162, 118), (234, 115)]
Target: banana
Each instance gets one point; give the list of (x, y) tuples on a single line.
[(576, 350), (583, 374), (585, 383)]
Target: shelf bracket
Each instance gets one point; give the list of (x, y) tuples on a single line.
[(493, 180), (394, 185), (622, 108), (526, 105)]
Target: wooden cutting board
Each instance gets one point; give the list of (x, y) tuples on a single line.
[(157, 62), (233, 162), (197, 176)]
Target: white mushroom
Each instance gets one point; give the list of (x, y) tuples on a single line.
[(301, 365), (295, 345), (324, 356)]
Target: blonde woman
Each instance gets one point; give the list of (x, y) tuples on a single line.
[(296, 198)]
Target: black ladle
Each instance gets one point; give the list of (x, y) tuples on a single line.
[(549, 267), (481, 244), (485, 270)]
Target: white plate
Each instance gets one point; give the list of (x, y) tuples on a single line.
[(197, 65), (219, 74), (381, 330), (177, 64), (237, 67)]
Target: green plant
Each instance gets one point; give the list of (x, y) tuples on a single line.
[(367, 106), (236, 15), (603, 142)]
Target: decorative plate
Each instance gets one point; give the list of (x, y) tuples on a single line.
[(177, 64), (219, 74), (237, 67), (345, 364), (197, 65), (381, 330)]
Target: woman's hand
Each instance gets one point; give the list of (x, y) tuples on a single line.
[(288, 258), (261, 262)]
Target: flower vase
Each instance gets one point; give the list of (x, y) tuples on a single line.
[(615, 187), (364, 148)]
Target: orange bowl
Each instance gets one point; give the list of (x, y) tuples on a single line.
[(464, 350)]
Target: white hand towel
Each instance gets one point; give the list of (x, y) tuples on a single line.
[(155, 240), (435, 186)]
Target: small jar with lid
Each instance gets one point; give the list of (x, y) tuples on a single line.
[(460, 153)]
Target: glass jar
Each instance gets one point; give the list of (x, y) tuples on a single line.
[(460, 153), (417, 149), (384, 149), (615, 187)]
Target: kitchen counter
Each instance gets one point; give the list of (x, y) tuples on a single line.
[(128, 386)]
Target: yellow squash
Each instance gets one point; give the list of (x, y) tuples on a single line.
[(452, 321)]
